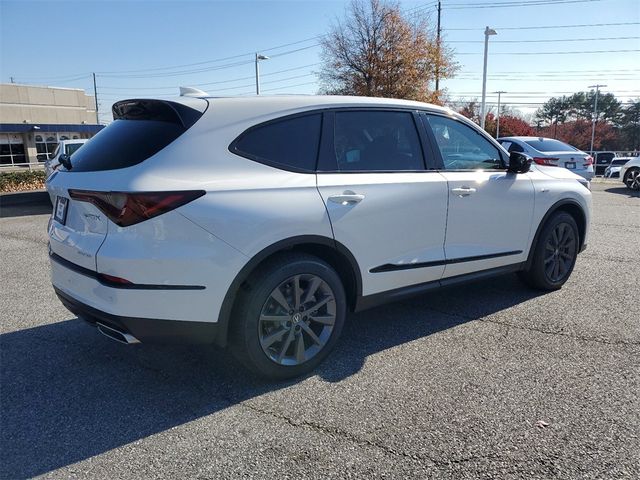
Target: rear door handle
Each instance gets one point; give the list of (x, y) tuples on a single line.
[(347, 198), (463, 191)]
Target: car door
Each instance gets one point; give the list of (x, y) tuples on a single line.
[(490, 209), (383, 204)]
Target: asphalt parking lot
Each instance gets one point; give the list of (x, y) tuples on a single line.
[(453, 384)]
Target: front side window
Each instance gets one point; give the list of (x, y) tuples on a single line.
[(462, 147), (290, 143), (376, 141)]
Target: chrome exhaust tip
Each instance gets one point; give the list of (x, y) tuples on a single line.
[(117, 335)]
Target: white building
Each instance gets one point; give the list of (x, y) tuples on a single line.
[(34, 119)]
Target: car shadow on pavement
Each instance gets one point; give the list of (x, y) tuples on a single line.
[(69, 393), (624, 191), (25, 210)]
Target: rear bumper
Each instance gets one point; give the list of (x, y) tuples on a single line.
[(147, 330)]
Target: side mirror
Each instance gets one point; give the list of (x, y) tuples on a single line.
[(65, 161), (519, 162)]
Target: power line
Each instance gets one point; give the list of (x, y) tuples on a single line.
[(290, 86), (555, 40), (216, 82), (520, 3), (215, 60), (553, 53), (540, 27), (207, 69)]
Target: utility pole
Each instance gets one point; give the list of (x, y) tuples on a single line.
[(499, 92), (438, 49), (95, 96), (487, 32), (258, 58), (595, 114)]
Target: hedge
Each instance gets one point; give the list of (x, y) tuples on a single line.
[(20, 181)]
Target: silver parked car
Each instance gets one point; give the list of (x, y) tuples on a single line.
[(553, 153), (65, 147)]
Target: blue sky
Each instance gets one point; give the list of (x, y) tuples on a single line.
[(137, 48)]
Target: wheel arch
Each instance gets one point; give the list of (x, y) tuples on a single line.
[(573, 208), (327, 249)]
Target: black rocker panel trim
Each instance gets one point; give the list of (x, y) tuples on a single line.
[(389, 267)]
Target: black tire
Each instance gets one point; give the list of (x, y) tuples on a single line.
[(258, 318), (557, 247), (632, 179)]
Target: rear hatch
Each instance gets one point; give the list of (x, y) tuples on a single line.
[(82, 189)]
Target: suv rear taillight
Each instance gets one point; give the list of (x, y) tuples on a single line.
[(588, 161), (125, 209), (549, 161)]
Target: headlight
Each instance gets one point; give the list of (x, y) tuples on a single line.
[(585, 183)]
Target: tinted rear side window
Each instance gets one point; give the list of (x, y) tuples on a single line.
[(377, 141), (290, 143), (550, 145)]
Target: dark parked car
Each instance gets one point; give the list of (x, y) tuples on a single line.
[(603, 159)]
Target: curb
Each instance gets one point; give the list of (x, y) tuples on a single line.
[(34, 197)]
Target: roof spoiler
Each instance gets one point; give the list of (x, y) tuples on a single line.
[(158, 110)]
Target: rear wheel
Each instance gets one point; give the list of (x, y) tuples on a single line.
[(554, 254), (632, 179), (291, 316)]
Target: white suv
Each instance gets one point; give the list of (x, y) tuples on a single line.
[(260, 222)]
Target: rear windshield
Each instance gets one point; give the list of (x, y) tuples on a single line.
[(142, 128), (550, 145), (605, 157), (124, 143)]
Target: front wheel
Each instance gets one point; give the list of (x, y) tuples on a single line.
[(290, 318), (554, 254), (632, 179)]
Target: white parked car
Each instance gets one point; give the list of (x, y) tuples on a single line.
[(630, 173), (551, 152), (66, 148), (260, 222), (614, 167)]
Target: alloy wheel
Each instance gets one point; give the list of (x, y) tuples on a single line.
[(297, 319), (560, 252), (632, 180)]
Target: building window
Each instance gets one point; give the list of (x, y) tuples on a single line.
[(11, 149), (46, 144)]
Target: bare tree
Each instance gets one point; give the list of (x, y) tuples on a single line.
[(378, 52)]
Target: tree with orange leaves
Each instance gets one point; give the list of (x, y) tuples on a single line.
[(378, 52)]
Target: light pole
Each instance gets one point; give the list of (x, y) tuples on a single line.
[(595, 114), (258, 58), (487, 32), (499, 92)]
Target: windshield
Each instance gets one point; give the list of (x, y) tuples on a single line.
[(55, 152), (72, 147), (550, 145), (620, 162)]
